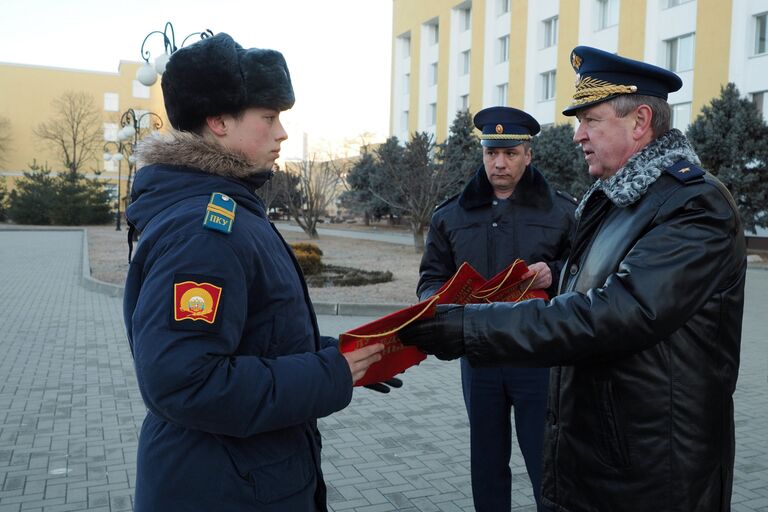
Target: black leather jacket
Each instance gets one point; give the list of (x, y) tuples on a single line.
[(646, 334), (535, 226)]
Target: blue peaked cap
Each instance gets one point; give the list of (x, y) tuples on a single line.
[(601, 76), (503, 127)]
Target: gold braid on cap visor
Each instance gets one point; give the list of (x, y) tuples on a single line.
[(505, 136), (590, 89)]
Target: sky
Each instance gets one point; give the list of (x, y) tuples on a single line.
[(338, 51)]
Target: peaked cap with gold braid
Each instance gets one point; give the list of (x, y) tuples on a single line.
[(601, 76), (503, 127)]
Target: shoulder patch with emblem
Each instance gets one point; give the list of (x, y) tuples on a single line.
[(196, 300), (685, 172), (220, 213)]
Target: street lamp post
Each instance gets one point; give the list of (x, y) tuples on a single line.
[(119, 153), (147, 74), (133, 126)]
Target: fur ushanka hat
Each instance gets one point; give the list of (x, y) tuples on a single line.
[(218, 76)]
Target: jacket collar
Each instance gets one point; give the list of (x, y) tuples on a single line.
[(531, 190), (185, 149), (631, 182)]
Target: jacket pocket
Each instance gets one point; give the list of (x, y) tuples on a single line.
[(276, 481), (278, 464), (613, 443)]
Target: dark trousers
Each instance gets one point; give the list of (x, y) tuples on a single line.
[(490, 394)]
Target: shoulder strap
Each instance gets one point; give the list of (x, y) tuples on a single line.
[(220, 213), (685, 172)]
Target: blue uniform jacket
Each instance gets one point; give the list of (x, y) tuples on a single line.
[(231, 404), (535, 226)]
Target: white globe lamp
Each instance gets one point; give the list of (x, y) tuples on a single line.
[(146, 74)]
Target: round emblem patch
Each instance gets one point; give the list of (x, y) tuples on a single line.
[(499, 129)]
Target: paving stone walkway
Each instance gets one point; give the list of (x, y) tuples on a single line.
[(70, 409)]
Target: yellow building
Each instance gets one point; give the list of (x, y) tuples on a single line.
[(26, 97), (449, 55)]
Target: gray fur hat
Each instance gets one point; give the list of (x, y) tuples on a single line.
[(218, 76)]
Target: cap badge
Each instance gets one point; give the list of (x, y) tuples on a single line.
[(575, 61), (499, 128)]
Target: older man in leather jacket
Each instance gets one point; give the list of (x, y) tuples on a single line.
[(645, 333)]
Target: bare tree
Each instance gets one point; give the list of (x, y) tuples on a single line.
[(318, 186), (5, 138), (75, 129), (409, 181)]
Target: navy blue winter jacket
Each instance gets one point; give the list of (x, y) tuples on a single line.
[(232, 402)]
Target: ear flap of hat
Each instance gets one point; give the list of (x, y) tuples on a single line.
[(203, 80), (267, 79)]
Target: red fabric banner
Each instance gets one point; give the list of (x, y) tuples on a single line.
[(466, 286)]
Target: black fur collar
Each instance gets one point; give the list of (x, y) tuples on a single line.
[(531, 190)]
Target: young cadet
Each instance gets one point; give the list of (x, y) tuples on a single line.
[(228, 356)]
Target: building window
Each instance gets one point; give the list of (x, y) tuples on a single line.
[(464, 62), (110, 131), (465, 19), (547, 85), (549, 32), (681, 116), (111, 102), (407, 83), (675, 3), (502, 49), (607, 13), (432, 114), (759, 99), (434, 33), (761, 22), (502, 7), (463, 103), (433, 73), (405, 46), (404, 121), (140, 90), (501, 94), (680, 53)]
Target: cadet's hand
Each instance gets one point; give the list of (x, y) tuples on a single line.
[(544, 278), (359, 360), (441, 336), (384, 387)]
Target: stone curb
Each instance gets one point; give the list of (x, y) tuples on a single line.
[(321, 308)]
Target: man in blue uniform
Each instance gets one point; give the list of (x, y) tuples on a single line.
[(227, 351), (506, 211), (645, 333)]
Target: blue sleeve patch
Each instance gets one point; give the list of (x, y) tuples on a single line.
[(220, 213), (685, 172)]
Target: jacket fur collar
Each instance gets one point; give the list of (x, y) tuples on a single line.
[(185, 149), (629, 184), (532, 189)]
